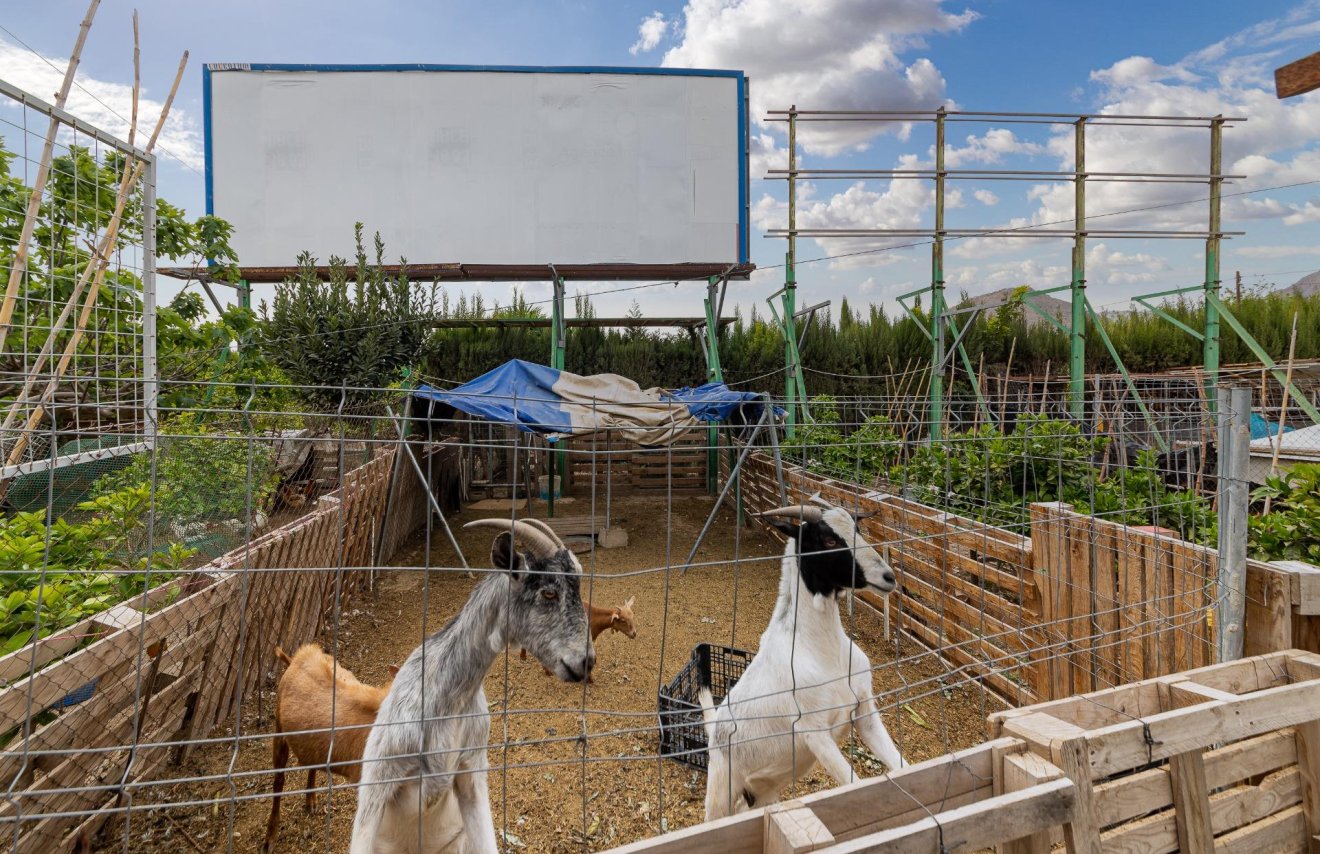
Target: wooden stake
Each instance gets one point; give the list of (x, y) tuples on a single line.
[(1283, 409), (121, 197), (103, 262), (1008, 373), (39, 186), (1045, 388)]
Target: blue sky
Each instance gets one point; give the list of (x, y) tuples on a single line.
[(1168, 57)]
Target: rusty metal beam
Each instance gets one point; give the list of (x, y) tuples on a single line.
[(510, 272)]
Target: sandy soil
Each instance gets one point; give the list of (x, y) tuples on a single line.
[(548, 799)]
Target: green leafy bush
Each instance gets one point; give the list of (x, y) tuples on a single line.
[(201, 476), (53, 575), (361, 329), (1291, 530)]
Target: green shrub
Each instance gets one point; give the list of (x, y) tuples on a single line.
[(200, 475), (1291, 530), (53, 575)]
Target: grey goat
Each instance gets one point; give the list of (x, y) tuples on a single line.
[(423, 785)]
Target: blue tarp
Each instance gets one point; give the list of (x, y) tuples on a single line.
[(538, 399), (1260, 428)]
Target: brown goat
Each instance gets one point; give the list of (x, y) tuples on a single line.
[(315, 694), (619, 618)]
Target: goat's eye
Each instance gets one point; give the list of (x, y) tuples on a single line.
[(832, 543), (550, 595)]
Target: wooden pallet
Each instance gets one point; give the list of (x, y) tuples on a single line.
[(1223, 758), (997, 793)]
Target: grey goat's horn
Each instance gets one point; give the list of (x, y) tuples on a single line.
[(550, 532), (536, 539), (804, 512)]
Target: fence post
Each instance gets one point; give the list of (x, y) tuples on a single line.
[(1231, 580)]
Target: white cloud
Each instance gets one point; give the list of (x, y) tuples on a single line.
[(1276, 145), (649, 33), (102, 103), (986, 198), (1310, 212), (830, 54), (1275, 251)]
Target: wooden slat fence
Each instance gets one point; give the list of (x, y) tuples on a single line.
[(166, 668), (1081, 604), (628, 467)]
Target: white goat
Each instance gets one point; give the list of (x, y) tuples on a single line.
[(423, 783), (808, 681)]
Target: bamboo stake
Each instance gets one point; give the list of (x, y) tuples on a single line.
[(121, 197), (39, 186), (107, 243), (1044, 388), (1283, 409), (1008, 373)]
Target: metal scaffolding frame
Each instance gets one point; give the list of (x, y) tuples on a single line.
[(939, 326)]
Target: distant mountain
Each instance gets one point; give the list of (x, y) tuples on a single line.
[(1306, 286), (1057, 308)]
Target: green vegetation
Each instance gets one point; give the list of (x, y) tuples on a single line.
[(200, 476), (1291, 530), (53, 575), (360, 330), (993, 477), (843, 354)]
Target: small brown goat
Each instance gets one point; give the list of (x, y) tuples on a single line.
[(315, 694), (619, 618)]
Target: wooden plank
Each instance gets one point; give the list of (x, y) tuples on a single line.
[(861, 808), (1022, 771), (1191, 801), (1131, 796), (1298, 78), (1304, 582), (1308, 764), (976, 826), (1269, 611), (1082, 834), (791, 828), (1128, 745), (1283, 831), (1131, 591)]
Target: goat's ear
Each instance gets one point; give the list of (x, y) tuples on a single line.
[(504, 556), (857, 517), (393, 669), (784, 525)]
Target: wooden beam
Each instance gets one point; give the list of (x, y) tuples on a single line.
[(1298, 78)]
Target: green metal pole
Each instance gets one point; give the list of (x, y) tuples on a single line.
[(1077, 328), (937, 306), (790, 283), (558, 346), (244, 294), (1210, 345), (714, 374)]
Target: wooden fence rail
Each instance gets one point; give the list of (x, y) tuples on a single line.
[(1072, 604), (95, 710)]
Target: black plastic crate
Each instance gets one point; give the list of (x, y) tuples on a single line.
[(682, 735)]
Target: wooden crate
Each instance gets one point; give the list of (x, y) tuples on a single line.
[(1222, 758), (997, 793)]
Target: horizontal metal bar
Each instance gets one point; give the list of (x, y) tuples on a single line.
[(592, 322), (1054, 122), (72, 459), (74, 122), (999, 232), (810, 309), (931, 114), (1187, 290), (933, 173), (510, 272)]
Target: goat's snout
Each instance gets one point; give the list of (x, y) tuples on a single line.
[(579, 669)]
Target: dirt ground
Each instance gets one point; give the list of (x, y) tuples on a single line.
[(548, 799)]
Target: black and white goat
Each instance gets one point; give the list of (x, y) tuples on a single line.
[(808, 682), (423, 786)]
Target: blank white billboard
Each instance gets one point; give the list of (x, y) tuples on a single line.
[(476, 165)]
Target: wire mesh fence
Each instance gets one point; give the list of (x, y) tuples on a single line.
[(1034, 562)]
